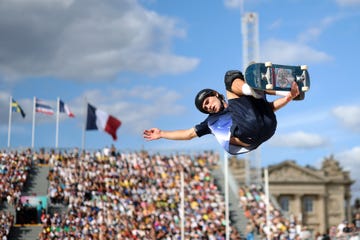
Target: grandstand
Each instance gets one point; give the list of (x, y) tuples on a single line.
[(110, 195), (136, 195)]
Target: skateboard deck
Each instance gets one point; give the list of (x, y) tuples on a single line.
[(268, 76)]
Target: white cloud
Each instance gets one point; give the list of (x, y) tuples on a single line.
[(276, 24), (137, 111), (317, 29), (233, 3), (137, 107), (348, 3), (4, 104), (299, 140), (4, 97), (349, 116), (291, 52), (350, 160), (298, 51), (314, 116), (87, 40)]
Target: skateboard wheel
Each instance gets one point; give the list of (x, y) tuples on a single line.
[(303, 67), (268, 64), (269, 86), (305, 88)]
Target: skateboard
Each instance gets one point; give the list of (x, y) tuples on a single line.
[(268, 76)]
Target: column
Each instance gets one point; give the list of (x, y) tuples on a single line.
[(297, 207), (323, 220)]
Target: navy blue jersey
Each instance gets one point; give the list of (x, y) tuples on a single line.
[(249, 119)]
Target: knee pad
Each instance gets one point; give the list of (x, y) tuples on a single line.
[(230, 76)]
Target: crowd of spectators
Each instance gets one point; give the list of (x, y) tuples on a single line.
[(137, 195), (114, 195), (14, 171), (6, 222), (349, 230), (253, 201)]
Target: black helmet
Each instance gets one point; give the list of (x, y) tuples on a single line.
[(200, 97)]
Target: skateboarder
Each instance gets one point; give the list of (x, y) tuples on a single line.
[(241, 124)]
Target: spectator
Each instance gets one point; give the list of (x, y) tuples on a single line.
[(140, 189), (305, 233), (249, 231), (348, 227), (356, 221), (340, 228)]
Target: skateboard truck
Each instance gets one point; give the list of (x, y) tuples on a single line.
[(302, 78), (268, 76)]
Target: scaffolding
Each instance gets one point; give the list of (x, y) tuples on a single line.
[(250, 38)]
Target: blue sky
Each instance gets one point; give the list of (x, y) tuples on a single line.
[(143, 62)]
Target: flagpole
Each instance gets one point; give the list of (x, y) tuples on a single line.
[(267, 201), (182, 203), (10, 117), (226, 186), (84, 128), (57, 123), (33, 124)]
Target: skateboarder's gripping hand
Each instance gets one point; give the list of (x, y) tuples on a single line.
[(294, 92)]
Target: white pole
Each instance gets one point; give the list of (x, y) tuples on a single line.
[(10, 117), (247, 169), (226, 176), (33, 124), (258, 167), (266, 178), (85, 111), (57, 123), (182, 204)]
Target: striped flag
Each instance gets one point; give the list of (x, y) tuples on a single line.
[(16, 108), (42, 107), (64, 108), (98, 119)]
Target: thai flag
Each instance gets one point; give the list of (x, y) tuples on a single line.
[(64, 108), (42, 107)]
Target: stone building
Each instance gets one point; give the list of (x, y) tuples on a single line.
[(318, 198)]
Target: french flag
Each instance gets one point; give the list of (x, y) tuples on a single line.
[(97, 119), (42, 107), (64, 108)]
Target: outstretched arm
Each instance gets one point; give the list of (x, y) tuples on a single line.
[(281, 102), (155, 134)]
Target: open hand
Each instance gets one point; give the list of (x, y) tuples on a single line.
[(152, 134)]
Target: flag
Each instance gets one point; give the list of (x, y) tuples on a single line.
[(64, 108), (42, 107), (97, 119), (16, 108)]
